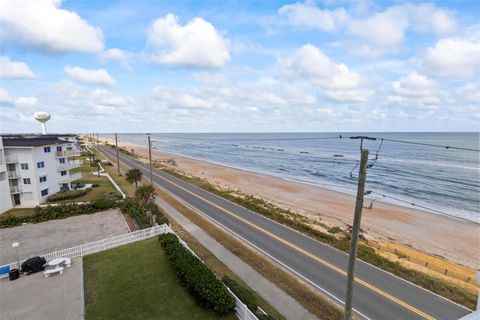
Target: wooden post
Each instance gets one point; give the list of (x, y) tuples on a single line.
[(118, 159), (150, 158), (362, 174)]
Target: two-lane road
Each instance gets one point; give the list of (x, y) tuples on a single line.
[(377, 294)]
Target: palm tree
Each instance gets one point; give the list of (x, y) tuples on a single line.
[(145, 194), (134, 176)]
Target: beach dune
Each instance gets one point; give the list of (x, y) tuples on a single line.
[(454, 239)]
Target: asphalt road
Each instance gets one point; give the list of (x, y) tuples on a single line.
[(377, 294)]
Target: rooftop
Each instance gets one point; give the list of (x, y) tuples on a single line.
[(31, 140)]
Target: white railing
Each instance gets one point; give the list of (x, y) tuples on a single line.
[(13, 174), (67, 153), (11, 158), (112, 181), (75, 176), (74, 163), (15, 189), (241, 310), (100, 245)]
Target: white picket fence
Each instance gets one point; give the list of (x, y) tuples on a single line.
[(241, 310), (101, 245)]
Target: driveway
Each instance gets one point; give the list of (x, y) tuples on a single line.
[(45, 237)]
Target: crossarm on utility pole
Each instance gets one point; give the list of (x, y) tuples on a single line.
[(362, 174)]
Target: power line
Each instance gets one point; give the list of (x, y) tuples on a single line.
[(428, 144)]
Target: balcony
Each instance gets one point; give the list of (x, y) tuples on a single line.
[(67, 153), (11, 158), (13, 174), (75, 176), (69, 178), (15, 189), (72, 164)]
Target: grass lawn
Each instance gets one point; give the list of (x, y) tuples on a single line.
[(20, 212), (136, 281)]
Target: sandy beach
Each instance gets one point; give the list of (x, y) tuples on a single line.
[(453, 239)]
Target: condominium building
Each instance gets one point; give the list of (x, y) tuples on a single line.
[(36, 166)]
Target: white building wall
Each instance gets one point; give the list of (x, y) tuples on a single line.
[(31, 194), (5, 199)]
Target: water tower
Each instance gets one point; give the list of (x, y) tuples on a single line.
[(42, 117)]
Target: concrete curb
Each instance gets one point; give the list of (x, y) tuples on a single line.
[(276, 297)]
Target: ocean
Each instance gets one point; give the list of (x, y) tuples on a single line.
[(443, 181)]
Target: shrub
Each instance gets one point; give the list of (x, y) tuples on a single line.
[(107, 201), (242, 293), (141, 213), (95, 185), (65, 195), (265, 317), (197, 277)]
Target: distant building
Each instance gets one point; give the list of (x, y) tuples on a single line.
[(36, 166)]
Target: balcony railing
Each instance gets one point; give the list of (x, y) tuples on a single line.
[(11, 158), (75, 176), (15, 189), (72, 164), (13, 174), (67, 153)]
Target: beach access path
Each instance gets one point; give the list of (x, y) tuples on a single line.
[(377, 294)]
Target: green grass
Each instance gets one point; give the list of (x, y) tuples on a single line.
[(136, 281)]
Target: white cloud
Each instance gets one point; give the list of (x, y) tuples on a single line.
[(312, 64), (90, 76), (106, 98), (119, 55), (453, 57), (309, 15), (14, 69), (178, 98), (415, 85), (5, 97), (26, 102), (42, 23), (197, 43)]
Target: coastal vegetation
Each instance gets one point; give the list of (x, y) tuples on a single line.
[(61, 211), (197, 277), (337, 239), (134, 176), (67, 195), (142, 282)]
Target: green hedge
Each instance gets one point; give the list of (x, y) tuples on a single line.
[(242, 293), (197, 277), (61, 211), (65, 195), (141, 213)]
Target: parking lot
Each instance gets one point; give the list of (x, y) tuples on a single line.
[(45, 237)]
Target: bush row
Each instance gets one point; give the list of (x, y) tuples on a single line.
[(197, 277), (242, 293), (61, 211), (65, 195), (142, 213)]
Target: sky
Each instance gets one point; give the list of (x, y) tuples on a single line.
[(238, 66)]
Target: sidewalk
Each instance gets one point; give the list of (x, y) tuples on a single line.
[(276, 297)]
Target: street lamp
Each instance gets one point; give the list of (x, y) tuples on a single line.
[(16, 245)]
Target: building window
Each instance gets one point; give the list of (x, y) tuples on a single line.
[(24, 166), (26, 180), (43, 179), (59, 148), (61, 160), (46, 149), (40, 164), (44, 192), (63, 173)]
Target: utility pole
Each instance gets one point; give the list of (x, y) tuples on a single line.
[(362, 174), (150, 158), (118, 159), (98, 145)]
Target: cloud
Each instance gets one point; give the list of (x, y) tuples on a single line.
[(312, 64), (107, 98), (453, 57), (14, 69), (309, 15), (415, 85), (43, 24), (5, 98), (197, 43), (90, 76), (119, 55), (26, 102)]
